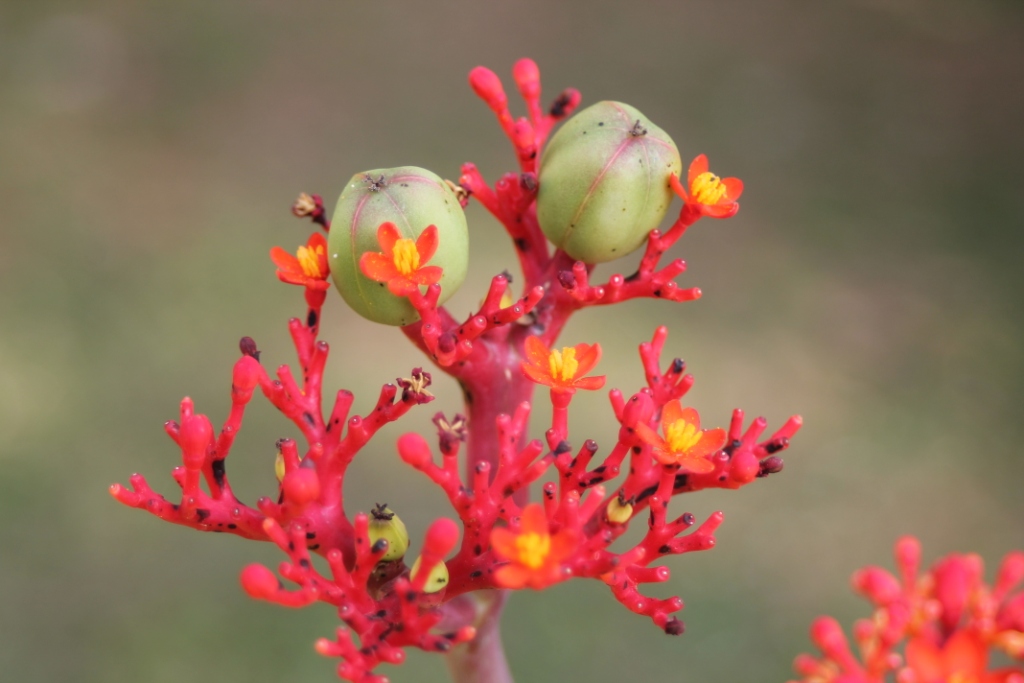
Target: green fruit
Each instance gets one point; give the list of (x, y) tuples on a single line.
[(604, 182), (411, 198), (384, 523)]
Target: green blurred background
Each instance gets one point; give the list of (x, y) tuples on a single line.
[(149, 153)]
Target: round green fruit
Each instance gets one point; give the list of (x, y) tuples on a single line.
[(412, 198), (604, 182)]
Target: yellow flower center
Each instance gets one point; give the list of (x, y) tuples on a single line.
[(309, 261), (681, 436), (707, 188), (563, 364), (532, 549), (406, 257)]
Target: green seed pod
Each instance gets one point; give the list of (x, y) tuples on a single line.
[(412, 199), (384, 523), (438, 578), (604, 182)]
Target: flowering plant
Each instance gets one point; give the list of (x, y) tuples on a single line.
[(396, 248)]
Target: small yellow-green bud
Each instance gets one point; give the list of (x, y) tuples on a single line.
[(412, 199), (604, 182), (619, 511), (385, 524), (437, 579), (279, 466)]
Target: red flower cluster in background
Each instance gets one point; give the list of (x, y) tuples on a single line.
[(498, 355), (948, 622)]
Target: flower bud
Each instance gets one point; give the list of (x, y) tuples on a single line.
[(619, 511), (412, 199), (384, 523), (436, 580), (604, 182)]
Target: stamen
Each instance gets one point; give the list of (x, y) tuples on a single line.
[(309, 261), (406, 257), (707, 188), (533, 549), (563, 364)]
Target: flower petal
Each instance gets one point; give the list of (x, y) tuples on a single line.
[(671, 413), (284, 260), (697, 166), (710, 443), (720, 210), (677, 187), (691, 416), (536, 353), (926, 661), (387, 235), (649, 436), (426, 243), (696, 465), (317, 241), (538, 375), (377, 267), (587, 356), (563, 544), (534, 520), (427, 275), (590, 383), (965, 654), (665, 456), (401, 286), (733, 188), (512, 576), (503, 542)]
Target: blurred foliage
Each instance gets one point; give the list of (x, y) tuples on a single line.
[(149, 152)]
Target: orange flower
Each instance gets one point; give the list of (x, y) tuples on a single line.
[(399, 265), (963, 659), (685, 443), (710, 195), (563, 369), (309, 267), (534, 554)]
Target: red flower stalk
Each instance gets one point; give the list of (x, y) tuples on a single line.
[(948, 622), (498, 355)]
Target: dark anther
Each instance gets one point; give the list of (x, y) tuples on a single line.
[(218, 471), (374, 184), (528, 181), (560, 104), (248, 347), (674, 627), (777, 445), (567, 279), (638, 129), (562, 447), (772, 465), (507, 275), (677, 366), (688, 518), (446, 343)]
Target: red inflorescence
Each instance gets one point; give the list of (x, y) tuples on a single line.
[(498, 355), (947, 622)]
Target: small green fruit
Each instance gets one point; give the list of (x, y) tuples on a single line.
[(437, 579), (412, 198), (604, 182), (384, 523)]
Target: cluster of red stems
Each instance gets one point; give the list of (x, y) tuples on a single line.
[(498, 355)]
